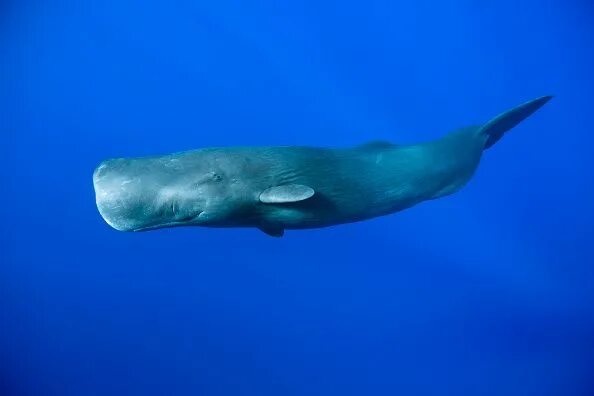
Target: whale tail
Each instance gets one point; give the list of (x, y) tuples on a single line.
[(496, 128)]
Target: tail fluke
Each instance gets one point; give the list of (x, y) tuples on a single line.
[(495, 128)]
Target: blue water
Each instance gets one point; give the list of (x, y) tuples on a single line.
[(486, 292)]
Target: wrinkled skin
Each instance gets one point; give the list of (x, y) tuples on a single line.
[(223, 187)]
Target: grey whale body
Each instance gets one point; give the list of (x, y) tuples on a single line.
[(291, 187)]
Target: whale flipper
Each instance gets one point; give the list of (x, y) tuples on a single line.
[(286, 194), (495, 128), (272, 230)]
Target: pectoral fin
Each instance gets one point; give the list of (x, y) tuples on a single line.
[(272, 230), (286, 194)]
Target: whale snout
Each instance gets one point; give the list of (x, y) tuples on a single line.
[(137, 194), (122, 200)]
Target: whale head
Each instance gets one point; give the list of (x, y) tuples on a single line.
[(138, 194)]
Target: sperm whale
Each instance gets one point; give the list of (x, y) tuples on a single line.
[(292, 187)]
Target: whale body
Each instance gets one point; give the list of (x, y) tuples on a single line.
[(291, 187)]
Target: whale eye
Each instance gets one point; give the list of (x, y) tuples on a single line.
[(207, 178), (216, 177)]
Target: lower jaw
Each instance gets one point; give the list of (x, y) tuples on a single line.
[(186, 222)]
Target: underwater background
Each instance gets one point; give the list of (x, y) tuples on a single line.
[(486, 292)]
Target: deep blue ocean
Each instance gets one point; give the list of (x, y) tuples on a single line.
[(489, 291)]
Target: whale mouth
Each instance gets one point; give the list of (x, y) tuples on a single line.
[(178, 223)]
